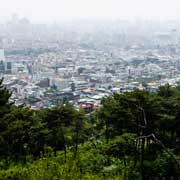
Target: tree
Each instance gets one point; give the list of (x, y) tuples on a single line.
[(21, 133), (5, 103), (58, 118), (73, 87), (78, 129)]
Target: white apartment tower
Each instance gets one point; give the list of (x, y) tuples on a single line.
[(2, 57)]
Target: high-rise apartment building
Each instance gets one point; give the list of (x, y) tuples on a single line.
[(2, 57)]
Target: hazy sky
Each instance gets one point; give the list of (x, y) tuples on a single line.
[(57, 10)]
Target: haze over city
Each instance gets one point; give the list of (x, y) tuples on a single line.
[(60, 10)]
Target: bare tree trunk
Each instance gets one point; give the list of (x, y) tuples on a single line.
[(107, 132), (64, 143), (142, 158)]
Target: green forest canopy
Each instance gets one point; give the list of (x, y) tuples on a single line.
[(135, 135)]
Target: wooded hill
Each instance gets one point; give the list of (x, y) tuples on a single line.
[(135, 135)]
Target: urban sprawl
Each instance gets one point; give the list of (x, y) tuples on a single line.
[(84, 62)]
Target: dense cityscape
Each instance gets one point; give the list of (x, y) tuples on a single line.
[(83, 62)]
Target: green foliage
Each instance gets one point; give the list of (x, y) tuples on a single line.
[(133, 136), (121, 146)]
